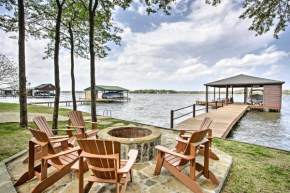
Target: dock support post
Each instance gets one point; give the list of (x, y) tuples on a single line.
[(171, 119), (245, 98), (219, 93), (206, 98), (213, 93), (227, 95), (232, 94), (193, 110), (251, 94)]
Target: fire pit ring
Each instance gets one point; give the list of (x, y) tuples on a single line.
[(142, 138)]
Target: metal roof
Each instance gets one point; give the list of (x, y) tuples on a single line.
[(7, 89), (108, 88), (243, 80), (42, 86)]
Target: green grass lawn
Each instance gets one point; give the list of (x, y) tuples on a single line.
[(254, 169), (12, 107)]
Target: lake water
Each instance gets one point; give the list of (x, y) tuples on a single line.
[(263, 128)]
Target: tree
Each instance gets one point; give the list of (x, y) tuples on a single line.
[(8, 72), (7, 23), (266, 14), (56, 62), (98, 8), (74, 23), (45, 23)]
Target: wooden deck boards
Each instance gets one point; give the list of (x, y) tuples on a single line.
[(224, 119)]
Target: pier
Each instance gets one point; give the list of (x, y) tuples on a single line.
[(224, 119), (81, 101)]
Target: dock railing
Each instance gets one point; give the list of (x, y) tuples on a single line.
[(172, 118)]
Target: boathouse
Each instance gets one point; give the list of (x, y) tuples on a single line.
[(271, 97), (43, 90), (104, 89), (9, 91)]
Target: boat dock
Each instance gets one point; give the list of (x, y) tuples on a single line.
[(81, 101), (224, 119)]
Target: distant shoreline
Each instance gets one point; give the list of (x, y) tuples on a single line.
[(151, 91)]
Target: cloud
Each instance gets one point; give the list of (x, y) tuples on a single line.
[(180, 52), (268, 56), (274, 69)]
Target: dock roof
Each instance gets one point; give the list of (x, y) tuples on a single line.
[(108, 88), (47, 86), (243, 80)]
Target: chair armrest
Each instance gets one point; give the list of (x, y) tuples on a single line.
[(61, 153), (38, 142), (132, 158), (181, 140), (91, 122), (89, 155), (186, 136), (166, 150), (59, 140), (199, 143), (75, 126), (82, 128), (59, 137), (62, 130)]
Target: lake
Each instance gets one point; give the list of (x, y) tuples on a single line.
[(263, 128)]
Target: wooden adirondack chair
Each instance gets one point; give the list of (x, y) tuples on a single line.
[(176, 160), (76, 118), (43, 126), (103, 158), (62, 161), (204, 125)]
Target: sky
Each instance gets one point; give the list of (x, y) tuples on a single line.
[(197, 44)]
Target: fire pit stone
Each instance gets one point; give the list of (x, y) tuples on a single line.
[(142, 138)]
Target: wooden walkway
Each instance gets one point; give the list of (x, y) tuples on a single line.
[(82, 101), (224, 119)]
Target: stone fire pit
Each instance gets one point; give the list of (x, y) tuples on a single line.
[(142, 138)]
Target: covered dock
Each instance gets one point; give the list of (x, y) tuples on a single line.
[(271, 89), (226, 113), (104, 89)]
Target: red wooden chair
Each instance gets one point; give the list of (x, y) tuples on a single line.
[(103, 158), (176, 160), (204, 125), (42, 125), (62, 161), (78, 123)]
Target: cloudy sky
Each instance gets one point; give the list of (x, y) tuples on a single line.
[(197, 44)]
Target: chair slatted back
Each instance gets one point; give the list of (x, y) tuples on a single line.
[(42, 137), (42, 125), (102, 147), (76, 118), (196, 137), (205, 123)]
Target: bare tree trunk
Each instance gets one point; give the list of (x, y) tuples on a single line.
[(72, 50), (22, 71), (92, 61), (56, 65)]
